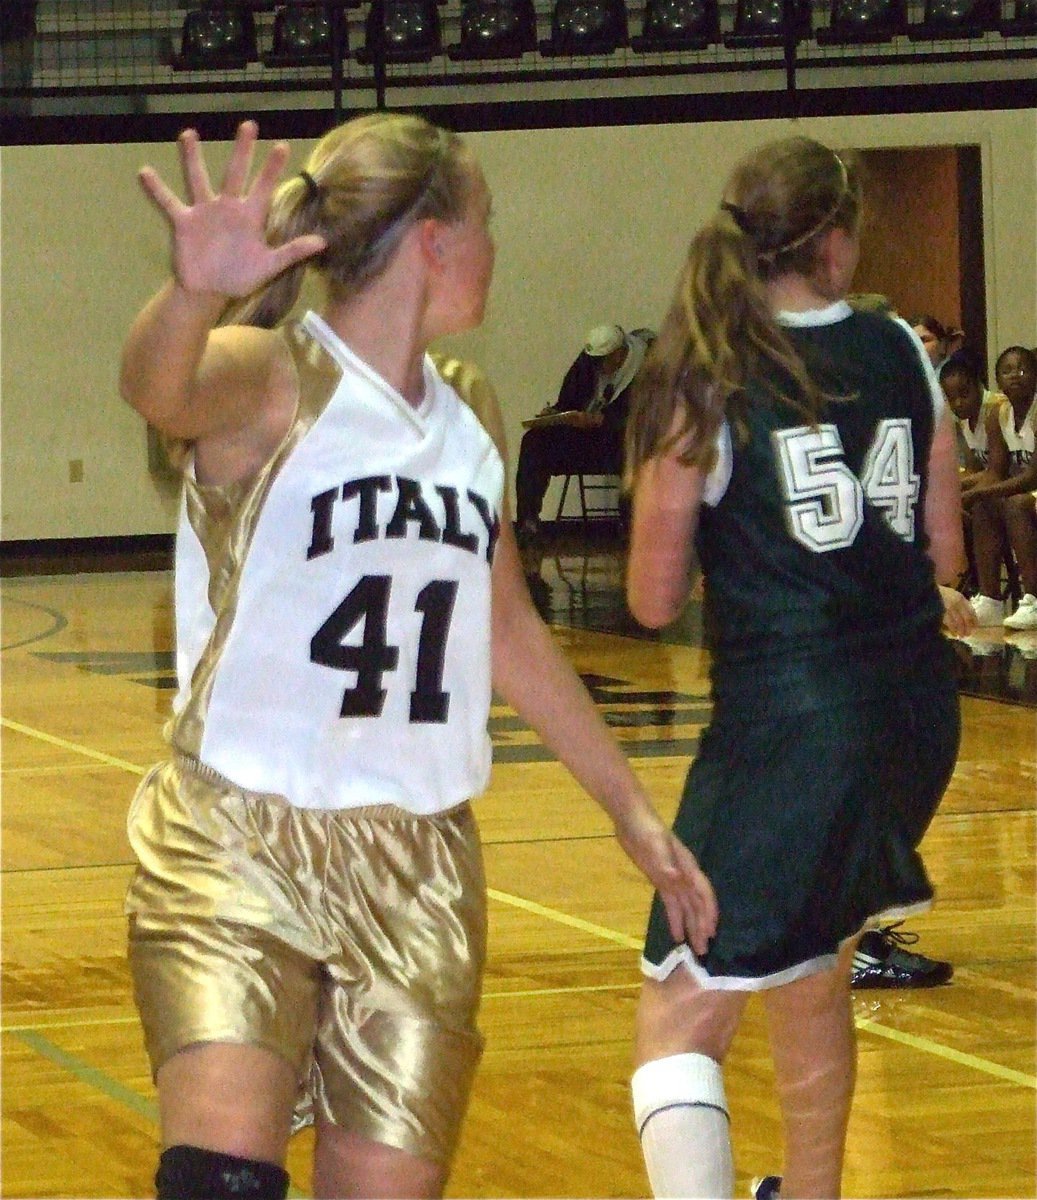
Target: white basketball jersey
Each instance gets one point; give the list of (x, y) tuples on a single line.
[(333, 616), (976, 439), (1021, 441)]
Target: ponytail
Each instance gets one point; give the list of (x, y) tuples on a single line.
[(296, 210), (364, 185), (720, 330)]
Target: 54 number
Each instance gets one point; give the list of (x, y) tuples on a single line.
[(825, 498)]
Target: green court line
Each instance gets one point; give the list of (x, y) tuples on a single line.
[(92, 1076), (102, 1082)]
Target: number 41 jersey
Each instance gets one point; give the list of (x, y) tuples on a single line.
[(333, 613)]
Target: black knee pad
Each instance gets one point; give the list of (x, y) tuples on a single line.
[(191, 1173)]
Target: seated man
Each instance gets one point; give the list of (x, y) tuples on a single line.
[(583, 429)]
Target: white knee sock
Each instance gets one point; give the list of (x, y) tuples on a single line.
[(683, 1125)]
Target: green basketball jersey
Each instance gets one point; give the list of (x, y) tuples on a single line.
[(817, 578)]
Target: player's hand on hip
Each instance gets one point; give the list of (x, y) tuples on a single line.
[(686, 893), (219, 236)]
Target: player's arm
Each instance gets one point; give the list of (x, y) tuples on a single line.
[(959, 617), (187, 378), (943, 503), (531, 674), (667, 499)]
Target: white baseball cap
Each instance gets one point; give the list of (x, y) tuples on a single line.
[(603, 339)]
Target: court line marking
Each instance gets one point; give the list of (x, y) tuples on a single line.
[(92, 1076), (865, 1024), (95, 1078), (523, 993), (604, 934), (97, 755), (561, 918), (77, 1023), (946, 1052), (58, 622)]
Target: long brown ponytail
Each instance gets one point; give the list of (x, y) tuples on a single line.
[(720, 330)]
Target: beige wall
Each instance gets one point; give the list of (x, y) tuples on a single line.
[(591, 225)]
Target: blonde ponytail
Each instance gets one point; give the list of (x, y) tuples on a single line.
[(364, 185)]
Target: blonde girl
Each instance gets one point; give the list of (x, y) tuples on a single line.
[(308, 917)]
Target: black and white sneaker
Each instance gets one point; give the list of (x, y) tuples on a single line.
[(765, 1187), (882, 962)]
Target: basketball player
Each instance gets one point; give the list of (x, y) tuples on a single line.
[(307, 921), (801, 452)]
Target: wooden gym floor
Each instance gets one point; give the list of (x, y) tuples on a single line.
[(945, 1100)]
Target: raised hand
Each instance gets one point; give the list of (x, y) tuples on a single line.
[(219, 237), (686, 893)]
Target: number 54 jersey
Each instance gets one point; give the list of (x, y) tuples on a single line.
[(333, 613), (818, 585)]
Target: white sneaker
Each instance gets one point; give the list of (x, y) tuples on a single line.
[(1025, 616), (988, 611)]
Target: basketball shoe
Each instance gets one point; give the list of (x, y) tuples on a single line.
[(882, 962)]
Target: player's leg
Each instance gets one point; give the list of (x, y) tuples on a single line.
[(228, 1009), (397, 1046), (683, 1033), (353, 1167), (225, 1112), (813, 1045), (989, 544)]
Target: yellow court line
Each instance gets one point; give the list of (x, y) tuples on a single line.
[(51, 740), (600, 931), (514, 993), (561, 918), (633, 985), (941, 1051), (866, 1025), (82, 1022)]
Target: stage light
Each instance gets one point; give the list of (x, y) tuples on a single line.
[(769, 22), (956, 19), (861, 21), (586, 27), (492, 29), (217, 37), (678, 25), (303, 37), (401, 31), (1023, 21)]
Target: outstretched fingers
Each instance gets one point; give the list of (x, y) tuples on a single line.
[(269, 173), (196, 174), (157, 191), (305, 246), (239, 165)]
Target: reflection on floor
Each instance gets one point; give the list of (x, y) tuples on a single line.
[(577, 581)]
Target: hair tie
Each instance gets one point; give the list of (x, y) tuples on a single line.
[(740, 217), (312, 186)]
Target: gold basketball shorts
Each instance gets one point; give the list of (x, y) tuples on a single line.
[(350, 942)]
